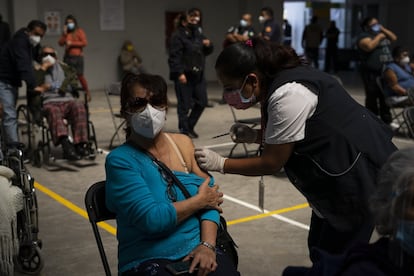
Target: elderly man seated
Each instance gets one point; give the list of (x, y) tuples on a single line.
[(60, 82), (399, 79)]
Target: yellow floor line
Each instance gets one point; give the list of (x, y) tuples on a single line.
[(109, 228), (268, 214), (73, 207)]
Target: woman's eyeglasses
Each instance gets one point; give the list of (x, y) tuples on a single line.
[(138, 104), (48, 54), (171, 193)]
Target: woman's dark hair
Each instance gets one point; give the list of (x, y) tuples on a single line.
[(398, 50), (365, 22), (180, 20), (395, 182), (154, 83), (71, 17), (261, 56)]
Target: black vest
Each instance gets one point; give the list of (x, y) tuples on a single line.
[(335, 166)]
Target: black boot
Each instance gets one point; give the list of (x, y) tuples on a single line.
[(69, 151), (85, 150)]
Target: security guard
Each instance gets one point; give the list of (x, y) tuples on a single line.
[(271, 29), (241, 32), (187, 53)]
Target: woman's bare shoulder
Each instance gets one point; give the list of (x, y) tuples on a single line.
[(183, 141)]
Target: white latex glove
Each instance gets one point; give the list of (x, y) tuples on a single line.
[(241, 133), (209, 160)]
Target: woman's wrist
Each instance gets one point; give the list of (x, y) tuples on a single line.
[(208, 245)]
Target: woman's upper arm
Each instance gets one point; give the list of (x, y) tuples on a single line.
[(365, 44)]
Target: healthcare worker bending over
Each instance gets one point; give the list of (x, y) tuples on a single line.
[(330, 146)]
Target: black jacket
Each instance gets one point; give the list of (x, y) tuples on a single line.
[(16, 61), (187, 53)]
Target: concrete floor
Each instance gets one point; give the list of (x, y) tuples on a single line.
[(267, 243)]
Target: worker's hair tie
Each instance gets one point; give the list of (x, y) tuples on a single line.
[(249, 43)]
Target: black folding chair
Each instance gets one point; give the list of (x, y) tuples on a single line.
[(97, 212), (396, 108), (408, 115), (251, 122), (115, 90)]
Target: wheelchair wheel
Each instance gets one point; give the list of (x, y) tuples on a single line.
[(29, 260), (23, 125)]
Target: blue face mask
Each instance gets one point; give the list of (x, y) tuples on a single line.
[(405, 235), (376, 28), (243, 23)]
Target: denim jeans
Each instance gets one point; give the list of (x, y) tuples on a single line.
[(8, 97)]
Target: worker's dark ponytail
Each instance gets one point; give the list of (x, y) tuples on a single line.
[(256, 55)]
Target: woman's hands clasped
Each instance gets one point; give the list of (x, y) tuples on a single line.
[(210, 196)]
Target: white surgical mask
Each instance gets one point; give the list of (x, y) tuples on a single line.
[(243, 23), (149, 122), (34, 40), (49, 59), (262, 19), (71, 26), (405, 60), (376, 28)]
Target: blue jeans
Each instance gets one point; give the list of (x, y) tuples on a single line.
[(8, 97)]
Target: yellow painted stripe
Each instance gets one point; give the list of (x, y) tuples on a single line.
[(268, 214), (73, 207), (112, 230)]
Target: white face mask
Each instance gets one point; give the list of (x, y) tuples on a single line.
[(243, 23), (149, 122), (71, 26), (262, 19), (34, 40), (405, 60), (49, 59)]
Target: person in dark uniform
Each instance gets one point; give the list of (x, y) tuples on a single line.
[(188, 50), (287, 33), (374, 49), (4, 32), (271, 29), (241, 32), (330, 146), (331, 55), (311, 39)]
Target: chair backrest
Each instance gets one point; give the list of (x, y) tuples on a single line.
[(252, 122), (97, 211)]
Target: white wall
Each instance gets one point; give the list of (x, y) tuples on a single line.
[(144, 25)]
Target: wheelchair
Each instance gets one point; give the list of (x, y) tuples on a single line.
[(37, 135), (28, 259)]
